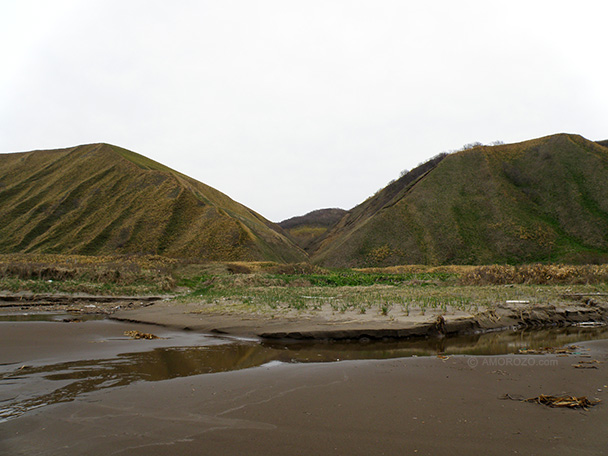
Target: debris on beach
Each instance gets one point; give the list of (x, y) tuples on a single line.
[(569, 350), (134, 334), (587, 364), (440, 324), (564, 401), (500, 372), (572, 402)]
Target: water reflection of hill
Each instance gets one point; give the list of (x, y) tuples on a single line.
[(495, 343)]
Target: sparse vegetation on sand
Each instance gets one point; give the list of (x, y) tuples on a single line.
[(405, 290), (390, 295), (277, 289)]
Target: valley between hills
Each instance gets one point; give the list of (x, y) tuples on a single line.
[(544, 200), (484, 265)]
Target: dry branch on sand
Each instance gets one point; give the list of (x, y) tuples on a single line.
[(572, 402), (563, 401)]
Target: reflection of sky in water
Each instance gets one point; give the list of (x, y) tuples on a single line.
[(27, 388)]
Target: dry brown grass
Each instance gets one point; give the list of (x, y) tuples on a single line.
[(496, 274), (115, 270), (419, 269), (536, 274)]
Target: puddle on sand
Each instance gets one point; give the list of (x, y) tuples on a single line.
[(50, 316), (27, 388)]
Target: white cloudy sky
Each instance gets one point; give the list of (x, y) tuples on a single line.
[(289, 106)]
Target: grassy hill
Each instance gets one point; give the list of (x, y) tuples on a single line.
[(305, 230), (102, 199), (544, 200)]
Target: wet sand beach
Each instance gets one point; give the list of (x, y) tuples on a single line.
[(421, 405)]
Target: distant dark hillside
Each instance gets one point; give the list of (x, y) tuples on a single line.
[(540, 200), (101, 199), (305, 230), (321, 217), (603, 143)]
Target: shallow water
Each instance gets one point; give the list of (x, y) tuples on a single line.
[(40, 383), (50, 316)]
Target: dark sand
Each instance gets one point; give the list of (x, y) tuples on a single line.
[(402, 406)]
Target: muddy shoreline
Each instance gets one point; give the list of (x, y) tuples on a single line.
[(162, 311), (189, 316), (426, 405), (76, 303)]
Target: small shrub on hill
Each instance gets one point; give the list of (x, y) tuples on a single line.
[(235, 268)]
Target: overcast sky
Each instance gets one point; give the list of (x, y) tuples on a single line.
[(289, 106)]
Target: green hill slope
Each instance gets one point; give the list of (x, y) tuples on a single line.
[(540, 200), (101, 199)]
